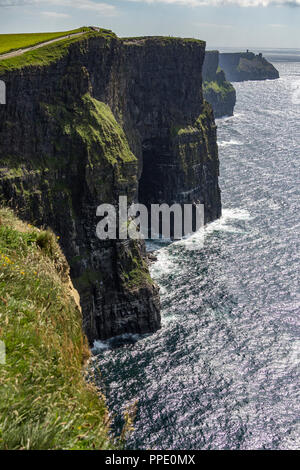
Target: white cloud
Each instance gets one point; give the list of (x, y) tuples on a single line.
[(102, 8), (108, 9), (213, 25), (54, 14), (241, 3)]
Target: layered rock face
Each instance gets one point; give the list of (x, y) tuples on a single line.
[(240, 67), (216, 89), (176, 127), (110, 117)]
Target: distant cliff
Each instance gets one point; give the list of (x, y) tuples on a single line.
[(216, 89), (241, 66), (93, 118)]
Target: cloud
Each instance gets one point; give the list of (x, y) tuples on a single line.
[(91, 5), (213, 25), (54, 14), (16, 3), (108, 9), (241, 3), (102, 8)]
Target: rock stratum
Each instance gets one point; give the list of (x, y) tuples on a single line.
[(219, 92), (240, 67), (93, 118)]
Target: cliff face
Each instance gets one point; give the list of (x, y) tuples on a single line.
[(216, 89), (108, 118), (247, 66), (177, 134)]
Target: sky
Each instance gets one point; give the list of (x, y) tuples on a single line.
[(221, 23)]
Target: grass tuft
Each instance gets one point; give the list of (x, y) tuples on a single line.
[(45, 402)]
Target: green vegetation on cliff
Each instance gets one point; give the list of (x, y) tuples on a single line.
[(51, 52), (163, 40), (12, 42), (189, 141), (135, 272), (45, 402), (97, 125), (93, 126), (215, 87), (219, 92)]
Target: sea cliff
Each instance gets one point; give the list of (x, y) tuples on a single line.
[(219, 92), (93, 118), (242, 66)]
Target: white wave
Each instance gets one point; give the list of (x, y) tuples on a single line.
[(151, 246), (226, 143), (273, 205), (228, 215), (296, 93), (196, 240), (235, 214), (100, 346), (226, 118), (225, 228), (165, 263), (156, 244), (110, 343)]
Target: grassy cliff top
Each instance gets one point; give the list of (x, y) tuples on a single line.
[(163, 40), (51, 52), (45, 403), (12, 42), (41, 55)]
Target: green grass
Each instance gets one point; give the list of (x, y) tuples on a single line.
[(12, 42), (49, 53), (136, 273), (219, 88), (164, 40), (98, 126), (45, 402), (93, 123)]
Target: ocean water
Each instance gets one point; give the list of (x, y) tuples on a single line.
[(223, 372)]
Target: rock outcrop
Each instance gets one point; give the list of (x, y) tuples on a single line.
[(103, 118), (241, 66), (216, 89)]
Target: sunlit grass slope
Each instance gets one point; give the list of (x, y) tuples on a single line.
[(50, 53), (45, 402), (11, 42)]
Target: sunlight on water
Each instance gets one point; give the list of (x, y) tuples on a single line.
[(296, 93), (223, 372)]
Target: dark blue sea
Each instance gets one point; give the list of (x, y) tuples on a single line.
[(223, 372)]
